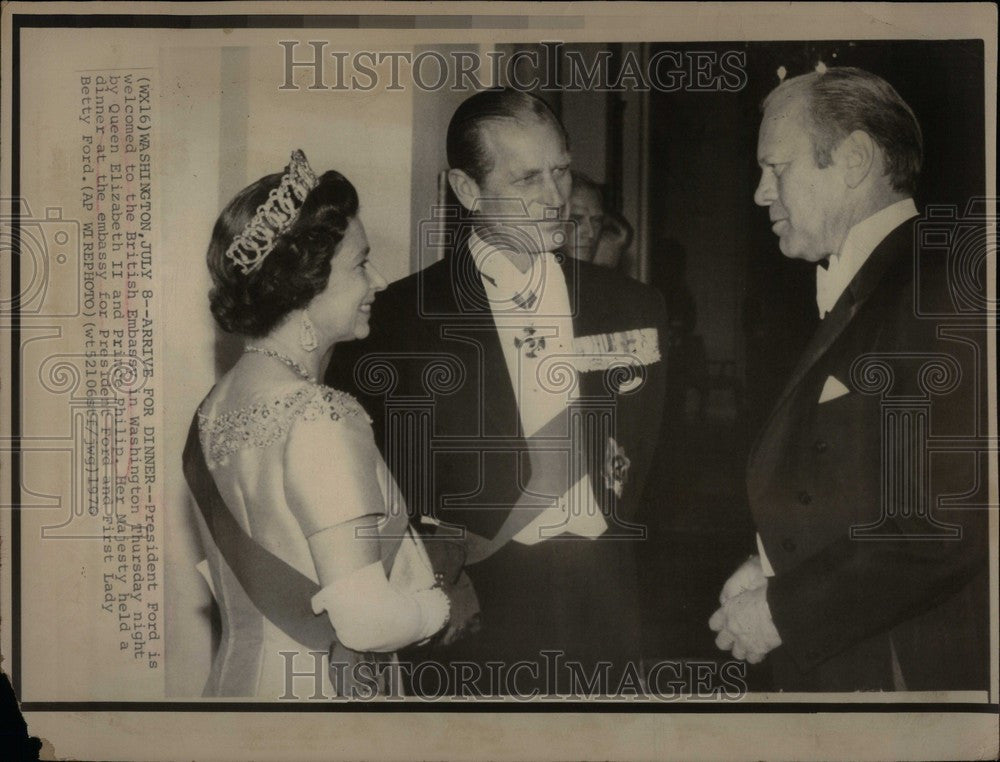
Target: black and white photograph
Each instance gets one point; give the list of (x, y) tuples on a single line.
[(563, 381)]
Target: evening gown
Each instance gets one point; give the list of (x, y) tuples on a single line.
[(245, 450)]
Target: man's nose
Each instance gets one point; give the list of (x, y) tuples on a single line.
[(552, 194), (767, 190), (375, 278)]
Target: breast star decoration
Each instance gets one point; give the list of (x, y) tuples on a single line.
[(616, 466)]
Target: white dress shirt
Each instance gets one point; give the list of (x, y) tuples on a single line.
[(860, 242), (832, 281), (531, 312)]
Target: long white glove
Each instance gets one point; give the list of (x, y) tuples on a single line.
[(371, 615)]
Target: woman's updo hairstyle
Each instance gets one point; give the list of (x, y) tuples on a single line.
[(297, 267)]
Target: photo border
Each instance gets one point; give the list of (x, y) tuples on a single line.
[(369, 22)]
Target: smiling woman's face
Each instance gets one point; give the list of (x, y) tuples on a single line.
[(341, 311)]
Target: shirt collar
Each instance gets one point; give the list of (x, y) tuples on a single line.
[(501, 277), (860, 242)]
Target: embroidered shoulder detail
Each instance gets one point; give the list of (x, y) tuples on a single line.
[(264, 423), (604, 351)]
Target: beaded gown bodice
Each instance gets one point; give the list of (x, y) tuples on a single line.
[(261, 424)]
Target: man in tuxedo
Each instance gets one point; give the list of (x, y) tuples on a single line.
[(514, 392), (871, 572)]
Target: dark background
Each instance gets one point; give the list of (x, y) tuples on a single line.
[(740, 311)]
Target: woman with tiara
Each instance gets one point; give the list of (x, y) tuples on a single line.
[(312, 561)]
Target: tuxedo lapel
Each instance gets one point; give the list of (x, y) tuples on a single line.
[(474, 323), (582, 302), (500, 415), (829, 329), (585, 303), (885, 255), (585, 306)]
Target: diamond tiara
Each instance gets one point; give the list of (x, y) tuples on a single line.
[(274, 216)]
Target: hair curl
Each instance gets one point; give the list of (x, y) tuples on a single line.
[(296, 269)]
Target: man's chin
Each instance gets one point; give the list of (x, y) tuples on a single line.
[(793, 249), (797, 248)]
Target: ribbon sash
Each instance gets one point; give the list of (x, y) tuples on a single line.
[(280, 592)]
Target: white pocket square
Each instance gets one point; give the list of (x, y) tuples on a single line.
[(832, 389)]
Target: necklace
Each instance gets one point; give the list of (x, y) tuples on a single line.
[(301, 371)]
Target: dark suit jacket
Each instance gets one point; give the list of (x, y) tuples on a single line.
[(433, 377), (842, 490)]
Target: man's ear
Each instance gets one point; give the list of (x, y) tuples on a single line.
[(858, 153), (464, 187)]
